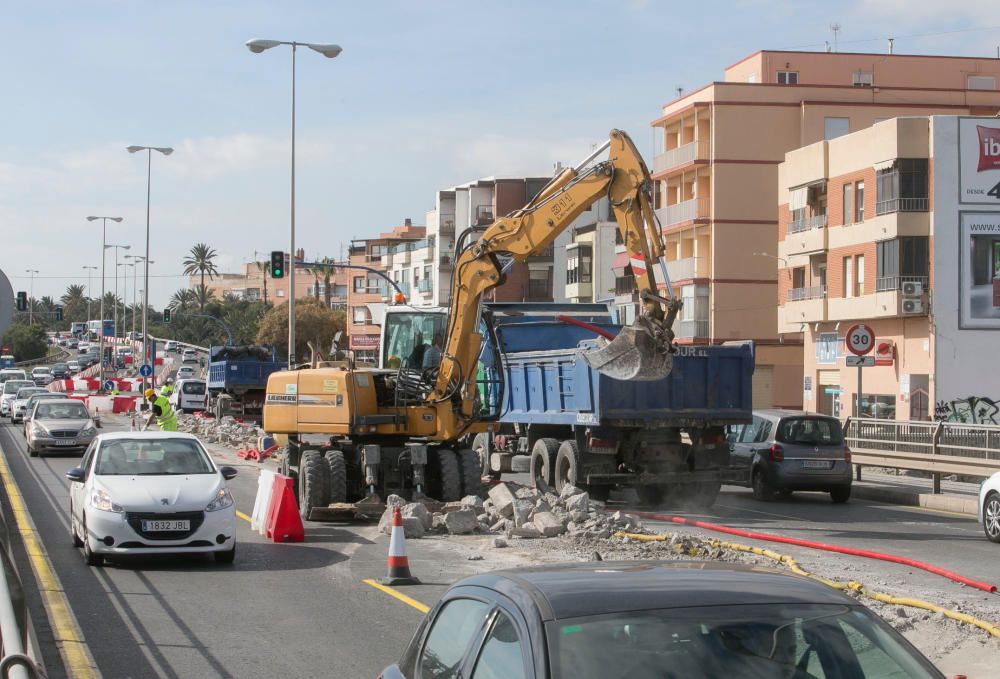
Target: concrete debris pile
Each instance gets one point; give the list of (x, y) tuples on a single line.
[(524, 513), (227, 431)]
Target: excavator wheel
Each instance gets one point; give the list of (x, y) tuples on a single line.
[(471, 471), (314, 482), (448, 475), (338, 475)]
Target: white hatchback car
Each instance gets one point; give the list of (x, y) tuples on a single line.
[(989, 507), (141, 493)]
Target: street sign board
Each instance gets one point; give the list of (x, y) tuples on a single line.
[(860, 361), (145, 370), (860, 339), (109, 385)]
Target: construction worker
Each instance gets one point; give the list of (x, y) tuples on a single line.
[(167, 389), (163, 413)]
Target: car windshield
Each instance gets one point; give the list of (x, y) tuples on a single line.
[(68, 410), (770, 641), (152, 457), (41, 371), (25, 393), (809, 431), (194, 388), (14, 386), (32, 400)]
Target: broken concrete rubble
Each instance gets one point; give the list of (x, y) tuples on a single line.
[(460, 522)]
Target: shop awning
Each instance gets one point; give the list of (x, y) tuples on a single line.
[(884, 165), (797, 198), (621, 261)]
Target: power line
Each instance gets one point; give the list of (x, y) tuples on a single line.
[(896, 37)]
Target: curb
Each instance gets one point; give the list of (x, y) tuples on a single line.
[(957, 504)]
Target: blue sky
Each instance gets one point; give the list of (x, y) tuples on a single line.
[(425, 95)]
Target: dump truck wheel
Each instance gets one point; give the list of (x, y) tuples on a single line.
[(543, 461), (471, 470), (480, 444), (651, 494), (450, 475), (314, 482), (569, 465), (338, 475)]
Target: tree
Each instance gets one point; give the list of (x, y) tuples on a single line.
[(314, 322), (204, 295), (26, 342), (201, 261), (74, 295), (183, 299)]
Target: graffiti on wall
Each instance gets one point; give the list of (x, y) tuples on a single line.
[(970, 410)]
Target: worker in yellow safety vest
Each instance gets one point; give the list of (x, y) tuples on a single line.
[(163, 413)]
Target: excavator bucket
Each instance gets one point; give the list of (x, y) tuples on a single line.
[(635, 354)]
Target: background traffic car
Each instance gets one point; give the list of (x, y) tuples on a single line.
[(74, 366), (42, 375), (61, 425), (151, 493), (20, 402), (170, 345), (185, 372), (10, 389), (188, 395), (647, 620), (29, 406), (790, 450), (989, 507), (60, 371), (12, 374)]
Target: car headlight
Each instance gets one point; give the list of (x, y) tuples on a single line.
[(222, 500), (89, 431), (37, 429), (102, 500)]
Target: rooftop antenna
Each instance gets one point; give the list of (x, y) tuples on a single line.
[(835, 27), (828, 48), (680, 91), (891, 40)]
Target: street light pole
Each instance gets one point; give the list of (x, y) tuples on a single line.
[(88, 268), (329, 51), (31, 296), (104, 246), (165, 150), (117, 248)]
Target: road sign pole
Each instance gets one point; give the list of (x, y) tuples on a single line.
[(859, 414)]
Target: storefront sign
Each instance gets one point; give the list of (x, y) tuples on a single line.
[(364, 342), (979, 161)]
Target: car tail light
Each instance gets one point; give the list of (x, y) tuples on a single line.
[(847, 455), (776, 453)]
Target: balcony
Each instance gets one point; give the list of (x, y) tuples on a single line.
[(814, 292), (682, 155), (884, 207), (625, 285), (888, 301), (887, 283), (579, 291), (687, 268), (689, 329), (807, 224), (696, 208), (484, 215), (426, 285), (802, 305)]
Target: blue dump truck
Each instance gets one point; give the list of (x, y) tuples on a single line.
[(565, 423), (237, 380)]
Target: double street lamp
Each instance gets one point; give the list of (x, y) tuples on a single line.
[(104, 246), (135, 297), (117, 248), (165, 150), (31, 296), (329, 51)]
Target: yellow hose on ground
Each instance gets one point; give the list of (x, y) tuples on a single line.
[(854, 586)]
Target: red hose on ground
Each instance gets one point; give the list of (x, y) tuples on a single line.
[(867, 554)]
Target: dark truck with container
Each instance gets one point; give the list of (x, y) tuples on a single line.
[(237, 380), (565, 423)]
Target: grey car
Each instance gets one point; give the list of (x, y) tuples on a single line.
[(790, 450), (63, 426), (29, 407)]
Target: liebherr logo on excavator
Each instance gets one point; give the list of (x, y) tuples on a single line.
[(562, 205)]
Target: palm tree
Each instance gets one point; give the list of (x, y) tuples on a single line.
[(204, 295), (183, 299), (200, 261), (74, 295)]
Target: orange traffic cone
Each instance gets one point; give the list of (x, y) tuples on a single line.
[(399, 565)]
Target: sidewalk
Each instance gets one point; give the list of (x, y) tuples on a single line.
[(955, 496)]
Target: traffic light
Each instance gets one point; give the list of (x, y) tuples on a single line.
[(166, 315), (277, 264), (58, 313), (22, 301)]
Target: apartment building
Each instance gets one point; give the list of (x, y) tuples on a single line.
[(716, 174), (897, 227)]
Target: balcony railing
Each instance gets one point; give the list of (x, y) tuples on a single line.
[(426, 285), (807, 224), (890, 283), (687, 153), (688, 329), (683, 269), (625, 285), (682, 212), (814, 292), (884, 207)]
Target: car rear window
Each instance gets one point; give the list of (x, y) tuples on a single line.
[(193, 388), (809, 431)]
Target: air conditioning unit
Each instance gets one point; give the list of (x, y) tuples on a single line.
[(913, 306), (913, 289)]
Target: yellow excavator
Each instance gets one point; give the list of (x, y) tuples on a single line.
[(356, 434)]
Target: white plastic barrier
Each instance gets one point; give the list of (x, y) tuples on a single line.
[(265, 483)]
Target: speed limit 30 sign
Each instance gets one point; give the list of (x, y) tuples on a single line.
[(860, 340)]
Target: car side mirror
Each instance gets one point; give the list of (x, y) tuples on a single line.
[(228, 472), (75, 474)]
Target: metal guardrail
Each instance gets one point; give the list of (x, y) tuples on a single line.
[(21, 655), (48, 358), (936, 447)]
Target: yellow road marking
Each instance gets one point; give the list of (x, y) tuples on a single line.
[(72, 647), (423, 608), (242, 516)]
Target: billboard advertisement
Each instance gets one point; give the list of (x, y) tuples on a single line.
[(979, 161), (979, 270)]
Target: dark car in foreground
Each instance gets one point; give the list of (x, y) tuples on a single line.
[(653, 620), (790, 450)]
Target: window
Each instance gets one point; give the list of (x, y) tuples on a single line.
[(359, 315), (752, 78), (501, 656), (279, 293), (859, 202), (339, 290), (981, 82), (788, 77), (862, 79), (909, 256), (828, 348), (879, 406), (835, 127), (848, 211), (799, 277), (454, 627), (902, 187), (359, 284), (859, 275), (848, 287), (809, 431), (538, 283)]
